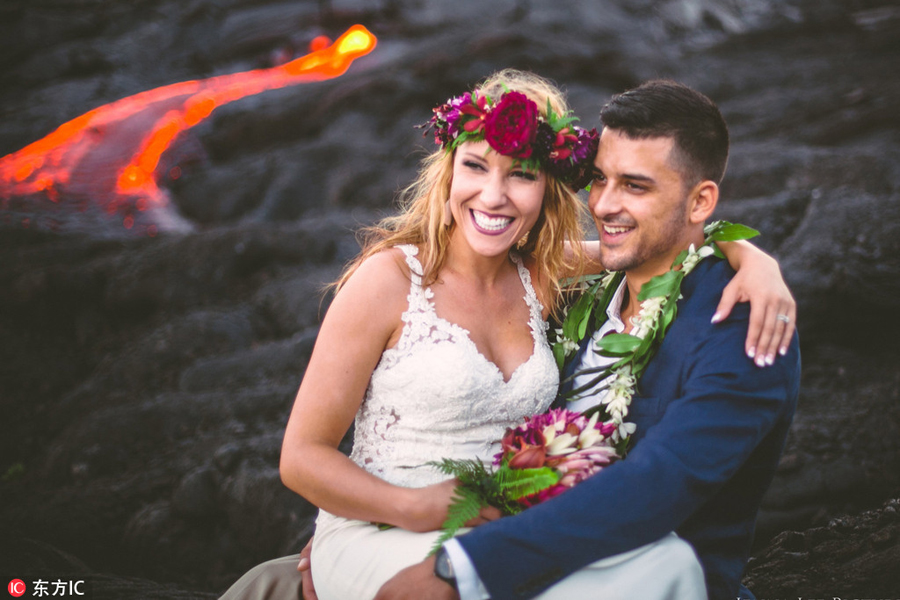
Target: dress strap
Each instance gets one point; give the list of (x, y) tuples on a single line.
[(538, 325), (418, 296), (415, 267)]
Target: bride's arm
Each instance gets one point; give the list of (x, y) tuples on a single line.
[(758, 281), (363, 319)]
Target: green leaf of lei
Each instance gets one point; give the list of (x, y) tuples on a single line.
[(619, 344), (662, 285), (559, 353), (730, 232), (575, 324)]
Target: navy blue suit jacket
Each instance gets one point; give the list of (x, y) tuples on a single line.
[(710, 430)]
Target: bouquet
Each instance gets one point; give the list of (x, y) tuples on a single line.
[(540, 459)]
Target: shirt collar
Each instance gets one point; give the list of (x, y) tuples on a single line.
[(613, 314), (614, 309)]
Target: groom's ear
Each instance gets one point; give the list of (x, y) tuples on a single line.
[(703, 200)]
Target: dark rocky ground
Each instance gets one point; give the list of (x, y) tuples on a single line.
[(145, 382)]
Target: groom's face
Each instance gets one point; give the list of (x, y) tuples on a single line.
[(639, 203)]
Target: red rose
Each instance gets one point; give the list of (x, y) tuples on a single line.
[(511, 125)]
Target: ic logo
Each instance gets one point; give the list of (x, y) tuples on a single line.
[(16, 588)]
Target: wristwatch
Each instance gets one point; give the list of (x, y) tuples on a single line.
[(443, 568)]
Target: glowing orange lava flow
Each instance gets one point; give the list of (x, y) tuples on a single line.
[(132, 133)]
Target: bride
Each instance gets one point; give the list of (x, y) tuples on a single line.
[(435, 343)]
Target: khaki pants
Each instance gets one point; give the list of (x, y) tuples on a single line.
[(275, 579)]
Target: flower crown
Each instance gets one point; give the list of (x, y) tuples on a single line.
[(514, 127)]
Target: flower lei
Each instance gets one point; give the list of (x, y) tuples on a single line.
[(635, 350), (513, 126)]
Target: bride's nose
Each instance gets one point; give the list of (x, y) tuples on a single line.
[(493, 194)]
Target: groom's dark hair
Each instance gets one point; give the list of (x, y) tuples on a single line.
[(664, 108)]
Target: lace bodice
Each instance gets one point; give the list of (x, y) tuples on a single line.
[(434, 395)]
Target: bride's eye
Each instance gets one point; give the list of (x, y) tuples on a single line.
[(471, 164), (527, 175)]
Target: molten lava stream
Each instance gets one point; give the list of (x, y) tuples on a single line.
[(110, 155)]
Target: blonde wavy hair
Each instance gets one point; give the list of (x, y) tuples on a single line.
[(422, 205)]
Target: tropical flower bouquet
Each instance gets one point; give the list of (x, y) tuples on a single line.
[(540, 459)]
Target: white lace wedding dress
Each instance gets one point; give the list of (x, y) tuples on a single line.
[(434, 396)]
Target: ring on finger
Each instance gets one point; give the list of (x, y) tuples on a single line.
[(784, 319)]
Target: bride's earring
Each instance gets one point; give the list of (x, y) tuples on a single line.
[(522, 241), (448, 216)]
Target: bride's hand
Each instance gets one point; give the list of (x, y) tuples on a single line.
[(773, 310), (485, 515), (430, 507)]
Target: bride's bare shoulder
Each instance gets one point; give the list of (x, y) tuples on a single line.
[(383, 277)]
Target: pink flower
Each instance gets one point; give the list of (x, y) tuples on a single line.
[(475, 111), (511, 125)]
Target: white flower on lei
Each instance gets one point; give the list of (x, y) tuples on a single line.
[(618, 395), (569, 346), (605, 282), (624, 430), (695, 256), (645, 321)]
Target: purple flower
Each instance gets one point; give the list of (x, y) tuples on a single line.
[(585, 148), (583, 152), (450, 118)]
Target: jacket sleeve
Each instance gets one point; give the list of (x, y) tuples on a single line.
[(724, 407)]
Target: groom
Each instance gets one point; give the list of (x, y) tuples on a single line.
[(710, 425)]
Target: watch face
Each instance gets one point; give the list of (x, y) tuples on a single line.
[(443, 568)]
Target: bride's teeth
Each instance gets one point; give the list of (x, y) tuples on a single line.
[(491, 223)]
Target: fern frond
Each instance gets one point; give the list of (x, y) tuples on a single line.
[(480, 486), (465, 506), (518, 483), (468, 471)]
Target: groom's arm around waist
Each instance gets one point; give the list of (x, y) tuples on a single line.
[(724, 407)]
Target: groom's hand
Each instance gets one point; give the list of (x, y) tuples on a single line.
[(417, 582)]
